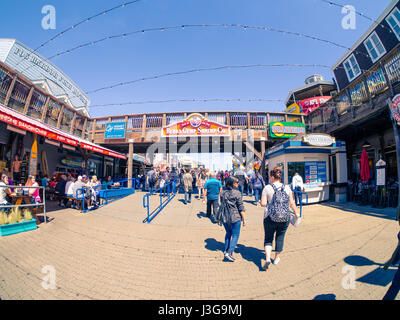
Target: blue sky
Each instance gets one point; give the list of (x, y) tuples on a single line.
[(154, 53)]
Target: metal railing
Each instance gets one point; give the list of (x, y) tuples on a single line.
[(105, 193), (300, 197), (169, 190), (23, 193)]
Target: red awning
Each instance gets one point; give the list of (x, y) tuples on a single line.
[(24, 122)]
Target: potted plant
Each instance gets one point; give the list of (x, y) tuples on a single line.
[(16, 221)]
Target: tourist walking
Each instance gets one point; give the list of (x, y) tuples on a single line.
[(233, 212), (258, 185), (188, 186), (297, 186), (212, 190), (242, 178), (278, 200), (201, 181)]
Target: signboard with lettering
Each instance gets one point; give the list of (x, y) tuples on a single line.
[(309, 105), (315, 172), (115, 130), (319, 140), (195, 125), (380, 172), (394, 108), (286, 129)]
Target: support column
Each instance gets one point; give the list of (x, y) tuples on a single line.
[(341, 172), (44, 111), (28, 100), (10, 90), (130, 163)]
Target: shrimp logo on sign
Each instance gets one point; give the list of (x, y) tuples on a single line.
[(195, 121)]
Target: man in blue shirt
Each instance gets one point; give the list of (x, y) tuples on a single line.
[(212, 189)]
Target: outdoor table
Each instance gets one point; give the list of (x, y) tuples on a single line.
[(18, 199)]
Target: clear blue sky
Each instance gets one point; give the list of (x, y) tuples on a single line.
[(155, 53)]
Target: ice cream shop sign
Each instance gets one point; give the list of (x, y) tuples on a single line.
[(195, 125)]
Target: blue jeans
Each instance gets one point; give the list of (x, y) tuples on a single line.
[(257, 194), (241, 189), (297, 197), (232, 236), (188, 197)]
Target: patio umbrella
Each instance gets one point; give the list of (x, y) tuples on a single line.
[(365, 173)]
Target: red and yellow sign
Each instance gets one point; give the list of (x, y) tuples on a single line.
[(195, 125)]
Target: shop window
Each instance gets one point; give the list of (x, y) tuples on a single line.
[(294, 167)]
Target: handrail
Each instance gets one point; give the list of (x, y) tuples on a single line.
[(80, 193), (300, 194), (146, 202), (43, 203)]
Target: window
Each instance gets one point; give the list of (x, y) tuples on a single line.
[(374, 47), (352, 68), (394, 22)]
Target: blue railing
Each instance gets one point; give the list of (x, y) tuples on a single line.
[(300, 197), (169, 190), (105, 193)]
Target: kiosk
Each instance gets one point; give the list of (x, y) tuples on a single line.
[(319, 159)]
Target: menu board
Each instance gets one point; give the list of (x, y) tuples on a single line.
[(315, 173)]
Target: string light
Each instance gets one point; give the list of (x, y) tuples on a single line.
[(358, 13), (79, 23), (184, 100)]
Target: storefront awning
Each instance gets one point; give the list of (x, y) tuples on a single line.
[(24, 122)]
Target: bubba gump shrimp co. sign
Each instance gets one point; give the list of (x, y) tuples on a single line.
[(195, 125)]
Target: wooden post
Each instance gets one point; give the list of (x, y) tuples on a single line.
[(44, 111), (71, 130), (93, 129), (130, 163), (144, 126), (228, 119), (60, 117), (10, 90), (248, 120), (164, 120), (28, 100), (84, 128)]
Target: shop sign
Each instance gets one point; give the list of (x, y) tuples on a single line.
[(35, 129), (380, 173), (293, 108), (309, 105), (286, 129), (102, 151), (315, 173), (115, 130), (319, 140), (195, 125), (394, 108), (72, 162)]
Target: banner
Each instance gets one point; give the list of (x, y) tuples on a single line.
[(195, 125)]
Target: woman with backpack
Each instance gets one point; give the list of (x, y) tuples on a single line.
[(277, 200), (231, 214)]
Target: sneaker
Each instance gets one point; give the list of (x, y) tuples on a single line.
[(229, 257), (276, 261), (265, 265)]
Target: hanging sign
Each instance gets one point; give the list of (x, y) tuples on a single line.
[(394, 108), (380, 173), (195, 125), (319, 139), (115, 130)]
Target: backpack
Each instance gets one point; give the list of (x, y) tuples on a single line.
[(223, 215), (154, 178), (278, 209)]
